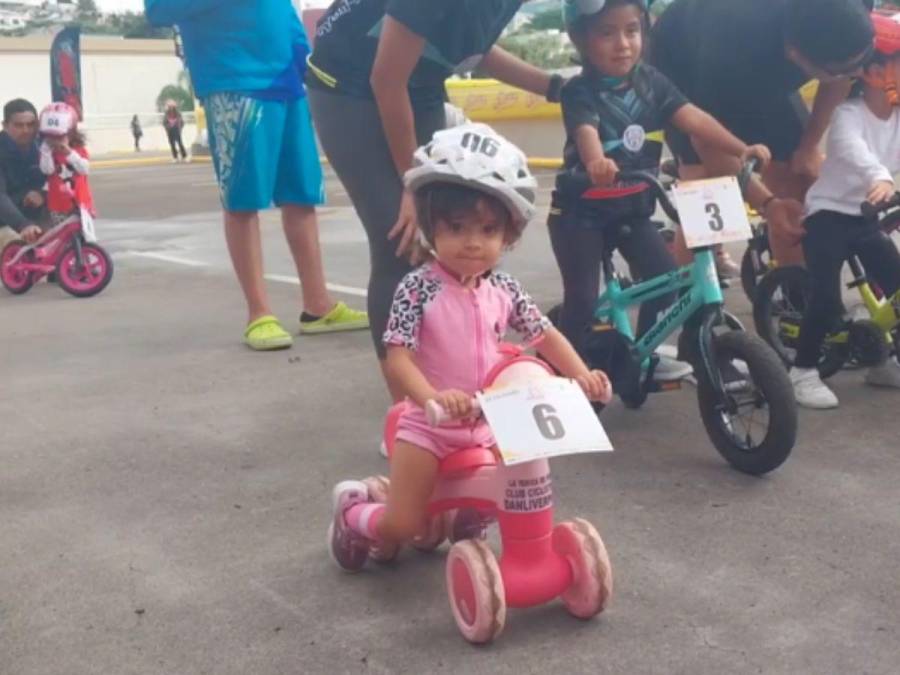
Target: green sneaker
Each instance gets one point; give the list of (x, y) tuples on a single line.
[(340, 318), (266, 334)]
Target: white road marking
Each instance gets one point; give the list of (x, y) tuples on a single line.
[(280, 278)]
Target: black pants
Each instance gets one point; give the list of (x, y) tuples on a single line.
[(830, 239), (175, 142), (579, 252)]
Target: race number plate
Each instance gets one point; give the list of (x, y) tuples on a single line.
[(548, 418), (712, 212), (56, 121)]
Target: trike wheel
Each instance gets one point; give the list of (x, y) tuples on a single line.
[(753, 424), (89, 278), (434, 534), (476, 592), (579, 543), (15, 280), (781, 300)]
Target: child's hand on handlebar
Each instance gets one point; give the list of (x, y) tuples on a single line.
[(760, 153), (603, 171), (457, 404), (880, 192), (596, 386)]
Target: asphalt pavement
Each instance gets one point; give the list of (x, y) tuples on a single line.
[(164, 492)]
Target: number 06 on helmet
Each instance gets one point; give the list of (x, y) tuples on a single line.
[(476, 156)]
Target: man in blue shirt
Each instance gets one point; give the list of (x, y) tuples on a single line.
[(247, 59)]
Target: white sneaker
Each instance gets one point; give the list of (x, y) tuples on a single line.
[(885, 375), (810, 391), (382, 450), (669, 369)]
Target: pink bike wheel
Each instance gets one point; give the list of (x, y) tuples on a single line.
[(88, 279), (475, 589), (15, 279), (592, 584)]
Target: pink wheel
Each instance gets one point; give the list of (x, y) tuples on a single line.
[(476, 592), (591, 588), (438, 528), (378, 487), (13, 277), (90, 277)]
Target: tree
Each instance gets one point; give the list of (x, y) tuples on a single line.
[(543, 51), (87, 11), (548, 20)]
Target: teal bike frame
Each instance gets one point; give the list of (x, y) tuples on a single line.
[(697, 283)]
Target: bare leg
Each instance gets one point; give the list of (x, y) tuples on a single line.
[(245, 248), (301, 229), (414, 473)]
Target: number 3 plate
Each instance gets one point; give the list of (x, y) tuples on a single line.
[(712, 212), (549, 418)]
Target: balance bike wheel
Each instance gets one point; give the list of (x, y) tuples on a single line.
[(755, 427), (868, 346), (434, 535), (16, 281), (93, 276), (592, 584), (553, 314), (475, 589)]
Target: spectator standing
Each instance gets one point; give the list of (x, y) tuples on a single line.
[(174, 123), (23, 207)]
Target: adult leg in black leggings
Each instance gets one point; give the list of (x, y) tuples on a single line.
[(351, 135)]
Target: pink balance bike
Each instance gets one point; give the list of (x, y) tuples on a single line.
[(83, 268), (539, 562)]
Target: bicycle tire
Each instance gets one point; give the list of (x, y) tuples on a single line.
[(769, 319), (771, 387)]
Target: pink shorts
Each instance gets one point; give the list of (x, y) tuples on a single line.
[(444, 440)]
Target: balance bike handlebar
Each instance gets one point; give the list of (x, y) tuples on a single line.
[(871, 211)]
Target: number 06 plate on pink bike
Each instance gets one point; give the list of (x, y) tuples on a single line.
[(545, 418)]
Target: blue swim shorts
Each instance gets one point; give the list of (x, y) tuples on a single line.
[(264, 152)]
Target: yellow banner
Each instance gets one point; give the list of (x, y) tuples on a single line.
[(491, 101)]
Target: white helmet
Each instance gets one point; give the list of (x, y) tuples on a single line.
[(575, 10), (476, 156)]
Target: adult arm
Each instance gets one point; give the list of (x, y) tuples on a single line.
[(399, 50), (502, 65), (170, 12), (807, 158)]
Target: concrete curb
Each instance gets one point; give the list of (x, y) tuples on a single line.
[(139, 161), (533, 162)]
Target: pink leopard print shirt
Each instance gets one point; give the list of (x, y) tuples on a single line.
[(456, 331)]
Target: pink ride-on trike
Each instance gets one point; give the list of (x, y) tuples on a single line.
[(83, 268), (539, 562)]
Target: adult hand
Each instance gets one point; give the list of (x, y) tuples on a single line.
[(786, 216), (603, 171), (407, 226), (806, 161), (33, 200), (881, 191), (596, 386), (457, 404), (31, 233), (760, 152)]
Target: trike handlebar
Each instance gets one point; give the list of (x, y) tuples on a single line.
[(436, 414)]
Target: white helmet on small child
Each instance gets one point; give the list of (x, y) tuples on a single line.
[(476, 156)]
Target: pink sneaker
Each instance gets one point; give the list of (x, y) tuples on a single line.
[(348, 549)]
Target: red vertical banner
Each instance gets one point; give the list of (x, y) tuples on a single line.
[(65, 68)]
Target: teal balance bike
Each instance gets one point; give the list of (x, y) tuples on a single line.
[(744, 393)]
